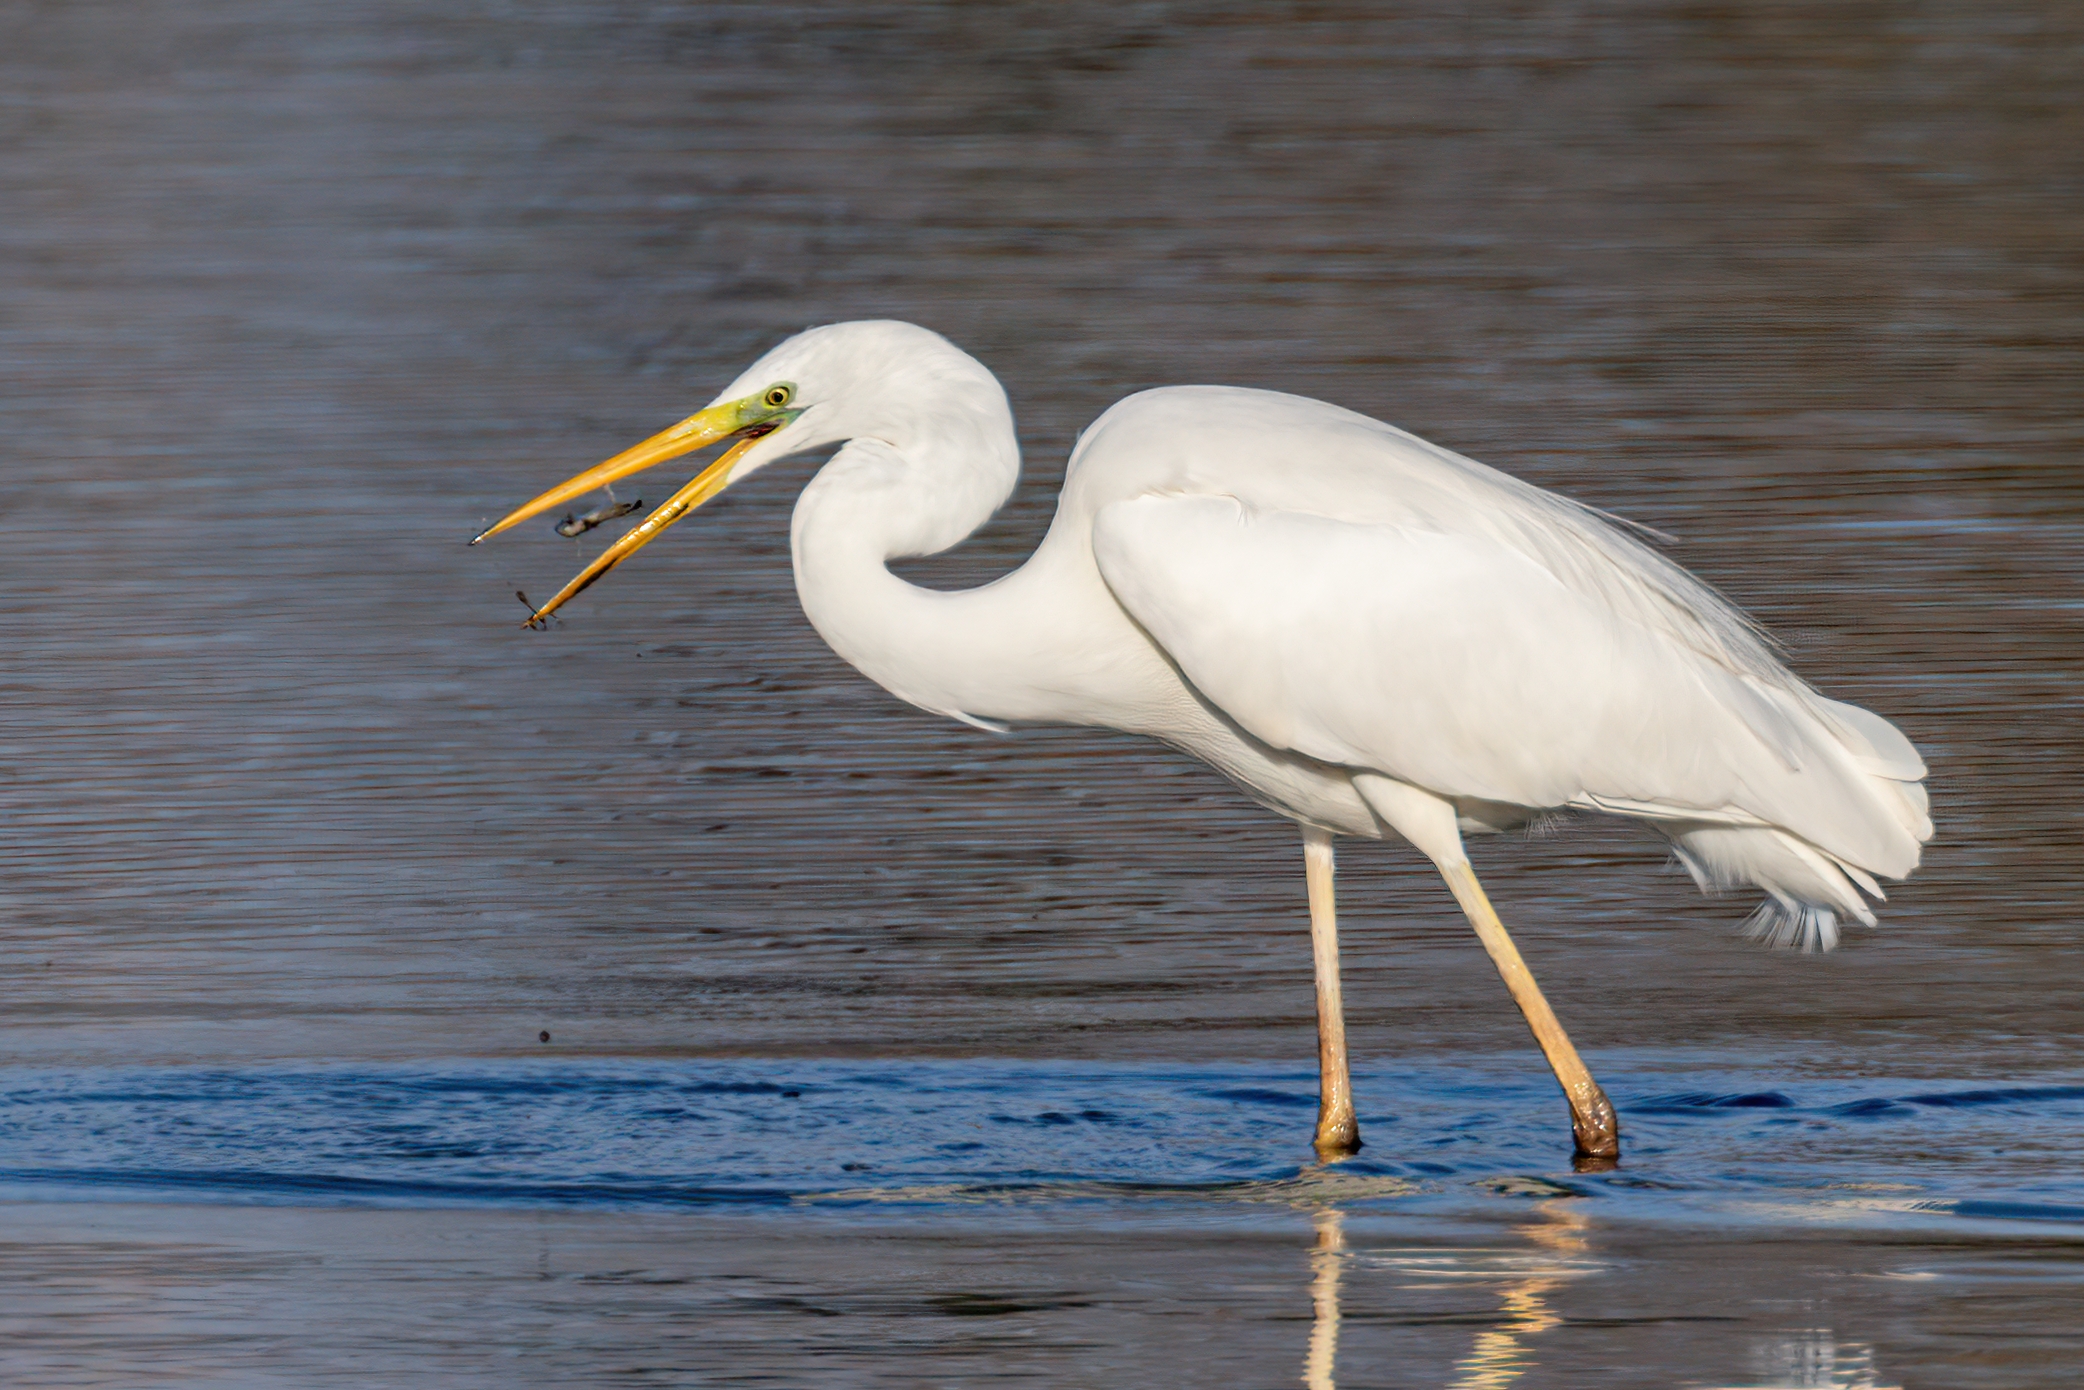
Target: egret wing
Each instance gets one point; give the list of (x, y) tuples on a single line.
[(1462, 665), (1287, 453)]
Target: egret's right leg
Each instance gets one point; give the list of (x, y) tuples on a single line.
[(1338, 1133), (1429, 823)]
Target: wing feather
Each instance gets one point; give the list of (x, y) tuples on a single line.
[(1289, 452), (1461, 664)]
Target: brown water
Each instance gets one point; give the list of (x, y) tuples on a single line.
[(305, 843)]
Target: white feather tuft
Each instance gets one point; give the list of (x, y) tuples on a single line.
[(1809, 893), (1791, 926)]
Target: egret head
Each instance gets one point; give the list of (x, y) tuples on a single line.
[(842, 381)]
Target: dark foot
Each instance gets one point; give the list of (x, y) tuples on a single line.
[(1337, 1141), (1595, 1126)]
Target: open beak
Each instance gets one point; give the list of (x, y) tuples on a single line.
[(748, 418)]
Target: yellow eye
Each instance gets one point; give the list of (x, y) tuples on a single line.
[(778, 396)]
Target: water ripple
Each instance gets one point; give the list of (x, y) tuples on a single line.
[(741, 1133)]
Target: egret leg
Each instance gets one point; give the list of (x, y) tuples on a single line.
[(1428, 822), (1592, 1120), (1338, 1133)]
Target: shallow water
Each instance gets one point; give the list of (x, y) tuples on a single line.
[(306, 844), (902, 1220), (740, 1133)]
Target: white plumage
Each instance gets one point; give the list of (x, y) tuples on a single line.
[(1464, 661), (1340, 595), (1365, 631)]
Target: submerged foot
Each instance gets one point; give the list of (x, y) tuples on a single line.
[(1337, 1139), (1594, 1125)]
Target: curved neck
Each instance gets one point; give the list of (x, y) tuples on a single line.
[(976, 654), (874, 503)]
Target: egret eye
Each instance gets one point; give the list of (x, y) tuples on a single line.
[(778, 396)]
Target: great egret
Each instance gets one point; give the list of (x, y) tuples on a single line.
[(1364, 631)]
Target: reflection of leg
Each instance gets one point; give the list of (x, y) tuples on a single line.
[(1338, 1133), (1428, 822), (1322, 1361), (1499, 1356)]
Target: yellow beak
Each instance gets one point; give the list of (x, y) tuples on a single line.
[(696, 432)]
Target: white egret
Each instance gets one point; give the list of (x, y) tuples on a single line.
[(1366, 632)]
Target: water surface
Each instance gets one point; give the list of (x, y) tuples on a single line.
[(306, 845)]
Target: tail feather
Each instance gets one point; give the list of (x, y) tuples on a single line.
[(1809, 892), (1894, 771), (1814, 876), (1878, 746), (1810, 930)]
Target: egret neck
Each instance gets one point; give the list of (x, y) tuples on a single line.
[(982, 655)]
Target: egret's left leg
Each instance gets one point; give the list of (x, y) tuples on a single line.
[(1592, 1122), (1428, 822)]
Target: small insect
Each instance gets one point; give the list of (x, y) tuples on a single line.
[(607, 511), (535, 619)]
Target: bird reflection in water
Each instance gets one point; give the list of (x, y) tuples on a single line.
[(1325, 1262), (1815, 1359), (1500, 1355)]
